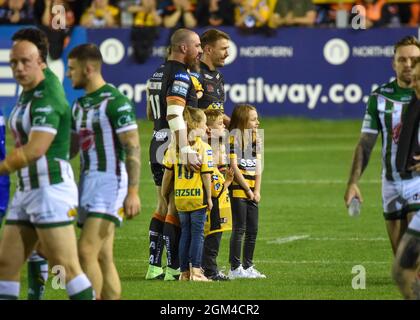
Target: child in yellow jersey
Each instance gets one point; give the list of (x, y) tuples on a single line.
[(245, 159), (192, 194), (219, 219)]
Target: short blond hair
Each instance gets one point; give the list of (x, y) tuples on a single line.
[(212, 115)]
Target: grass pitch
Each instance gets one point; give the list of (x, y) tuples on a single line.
[(307, 244)]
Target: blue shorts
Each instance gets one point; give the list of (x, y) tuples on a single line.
[(4, 194)]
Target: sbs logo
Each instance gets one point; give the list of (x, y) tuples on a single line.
[(336, 51)]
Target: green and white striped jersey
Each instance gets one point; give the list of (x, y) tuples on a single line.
[(383, 114), (98, 118), (43, 108)]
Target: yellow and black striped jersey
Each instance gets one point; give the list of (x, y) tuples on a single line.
[(188, 185), (220, 217), (246, 158)]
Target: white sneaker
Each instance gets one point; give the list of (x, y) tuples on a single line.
[(239, 272), (254, 273)]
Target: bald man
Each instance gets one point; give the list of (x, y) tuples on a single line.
[(45, 201), (169, 90)]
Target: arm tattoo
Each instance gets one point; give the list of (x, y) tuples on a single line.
[(361, 155), (132, 163)]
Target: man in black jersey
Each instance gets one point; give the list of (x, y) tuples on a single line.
[(169, 90), (215, 44)]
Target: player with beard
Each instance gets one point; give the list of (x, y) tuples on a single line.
[(105, 133), (169, 90), (215, 44), (386, 105)]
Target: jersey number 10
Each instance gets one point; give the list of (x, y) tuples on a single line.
[(187, 174)]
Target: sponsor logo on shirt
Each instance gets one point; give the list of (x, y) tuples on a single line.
[(182, 76), (86, 139), (46, 109), (157, 75), (38, 94), (387, 90), (105, 94), (181, 84), (180, 90), (124, 120), (39, 120), (125, 107)]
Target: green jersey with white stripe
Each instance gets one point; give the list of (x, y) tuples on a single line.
[(46, 109), (383, 114), (98, 118)]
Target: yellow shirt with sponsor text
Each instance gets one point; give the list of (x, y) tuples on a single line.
[(188, 185)]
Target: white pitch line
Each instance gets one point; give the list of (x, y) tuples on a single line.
[(133, 260), (348, 239), (309, 238), (320, 262), (317, 181), (287, 239), (308, 149)]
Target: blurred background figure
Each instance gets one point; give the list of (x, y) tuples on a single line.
[(178, 14), (215, 13), (414, 15), (251, 14), (379, 13), (293, 13), (100, 14), (57, 38), (145, 13), (16, 12), (147, 19)]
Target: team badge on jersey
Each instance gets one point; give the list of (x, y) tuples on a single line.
[(86, 139), (396, 132), (72, 212)]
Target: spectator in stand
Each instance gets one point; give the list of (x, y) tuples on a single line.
[(145, 13), (100, 14), (215, 13), (179, 14), (380, 14), (251, 14), (293, 13), (415, 15), (57, 38), (16, 12), (147, 19)]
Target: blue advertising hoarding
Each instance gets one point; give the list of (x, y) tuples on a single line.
[(306, 72)]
